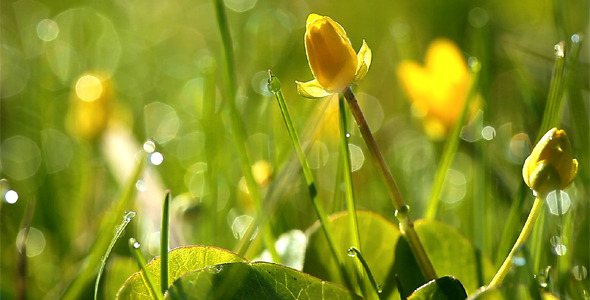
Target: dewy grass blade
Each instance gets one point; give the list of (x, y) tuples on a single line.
[(164, 243), (274, 86), (554, 100), (239, 134), (120, 229), (134, 247), (452, 144), (377, 288), (355, 239), (347, 174), (102, 241)]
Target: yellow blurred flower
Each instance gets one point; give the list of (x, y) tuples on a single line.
[(331, 58), (437, 89), (90, 105), (551, 165)]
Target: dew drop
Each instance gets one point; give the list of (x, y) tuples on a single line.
[(351, 252), (347, 135), (274, 84), (559, 51), (136, 245), (379, 289), (129, 215), (541, 280), (402, 213), (576, 38), (218, 268), (560, 250), (149, 146), (579, 272)]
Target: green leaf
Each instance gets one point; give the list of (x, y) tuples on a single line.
[(379, 237), (311, 89), (447, 287), (180, 261), (450, 253), (258, 280)]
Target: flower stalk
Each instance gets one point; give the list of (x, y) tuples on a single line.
[(522, 237), (406, 224)]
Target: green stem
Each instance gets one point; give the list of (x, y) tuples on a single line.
[(274, 87), (164, 243), (406, 224), (350, 202), (451, 146), (524, 234), (239, 133), (355, 239), (134, 246)]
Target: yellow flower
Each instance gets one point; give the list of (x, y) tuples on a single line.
[(438, 89), (331, 58), (551, 165)]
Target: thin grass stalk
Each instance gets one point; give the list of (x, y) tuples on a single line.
[(555, 97), (165, 243), (402, 210), (120, 229), (355, 239), (134, 247), (275, 87), (376, 288), (102, 241), (451, 146), (239, 133)]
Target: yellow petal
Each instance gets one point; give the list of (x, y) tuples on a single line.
[(311, 89), (331, 58), (364, 58)]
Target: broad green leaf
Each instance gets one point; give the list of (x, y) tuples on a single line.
[(379, 237), (450, 253), (258, 280), (443, 288), (180, 261), (511, 291)]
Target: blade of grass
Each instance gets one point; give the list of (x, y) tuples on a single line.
[(554, 99), (164, 243), (123, 203), (452, 144), (134, 247), (355, 240), (347, 174), (239, 134), (120, 229), (274, 86), (376, 287)]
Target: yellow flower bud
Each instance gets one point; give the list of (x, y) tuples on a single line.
[(332, 60), (551, 165)]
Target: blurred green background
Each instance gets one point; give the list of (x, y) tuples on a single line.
[(160, 64)]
